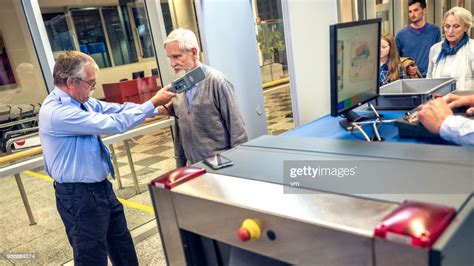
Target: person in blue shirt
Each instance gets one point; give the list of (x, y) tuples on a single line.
[(70, 124), (437, 117), (416, 39)]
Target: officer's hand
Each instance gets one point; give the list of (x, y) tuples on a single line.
[(163, 96), (433, 114)]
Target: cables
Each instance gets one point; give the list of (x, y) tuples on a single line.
[(376, 124), (356, 125)]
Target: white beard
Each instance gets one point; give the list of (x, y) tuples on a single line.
[(91, 93), (179, 74)]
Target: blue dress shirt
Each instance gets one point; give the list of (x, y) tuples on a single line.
[(458, 129), (69, 135), (190, 95)]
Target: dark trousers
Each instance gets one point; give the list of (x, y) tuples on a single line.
[(95, 223)]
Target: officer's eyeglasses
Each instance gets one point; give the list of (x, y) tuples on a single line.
[(91, 83)]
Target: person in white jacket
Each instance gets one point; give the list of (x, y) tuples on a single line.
[(437, 116), (454, 56)]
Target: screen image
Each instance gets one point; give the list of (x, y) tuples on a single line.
[(355, 53)]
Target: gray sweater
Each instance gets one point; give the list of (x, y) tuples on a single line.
[(213, 123)]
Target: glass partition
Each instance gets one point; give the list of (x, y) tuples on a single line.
[(58, 32), (271, 44), (273, 61), (90, 35), (22, 87), (120, 35), (143, 30), (383, 11)]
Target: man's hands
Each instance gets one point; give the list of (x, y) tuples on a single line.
[(163, 96), (433, 114), (455, 101)]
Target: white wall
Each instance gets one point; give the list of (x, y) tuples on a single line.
[(307, 39), (230, 45)]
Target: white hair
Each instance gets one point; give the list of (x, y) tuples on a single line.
[(186, 40), (462, 14)]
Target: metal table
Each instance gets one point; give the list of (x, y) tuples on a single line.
[(320, 223)]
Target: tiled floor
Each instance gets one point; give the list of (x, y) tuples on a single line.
[(152, 155)]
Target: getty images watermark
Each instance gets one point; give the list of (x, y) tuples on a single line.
[(375, 177), (314, 172), (18, 256)]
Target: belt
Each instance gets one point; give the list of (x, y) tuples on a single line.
[(80, 186)]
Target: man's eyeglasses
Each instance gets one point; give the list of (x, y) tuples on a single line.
[(91, 83)]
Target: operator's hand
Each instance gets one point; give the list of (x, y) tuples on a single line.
[(411, 70), (163, 96), (433, 114), (455, 101)]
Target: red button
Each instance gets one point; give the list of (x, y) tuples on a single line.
[(243, 234)]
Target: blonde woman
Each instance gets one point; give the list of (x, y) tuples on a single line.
[(454, 56)]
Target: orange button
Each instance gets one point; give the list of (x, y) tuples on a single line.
[(243, 234), (249, 230)]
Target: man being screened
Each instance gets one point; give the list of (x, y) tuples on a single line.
[(208, 120)]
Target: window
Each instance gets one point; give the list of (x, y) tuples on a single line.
[(165, 9), (120, 35), (269, 9), (58, 32), (90, 35), (143, 29)]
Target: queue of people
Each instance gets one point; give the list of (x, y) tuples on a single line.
[(432, 58), (452, 57)]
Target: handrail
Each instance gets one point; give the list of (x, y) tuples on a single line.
[(21, 154), (138, 131), (18, 122), (38, 161), (275, 82)]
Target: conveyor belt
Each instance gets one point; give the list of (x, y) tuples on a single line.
[(17, 122)]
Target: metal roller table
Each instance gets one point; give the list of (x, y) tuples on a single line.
[(331, 222)]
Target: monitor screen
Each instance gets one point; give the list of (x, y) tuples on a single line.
[(355, 57)]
